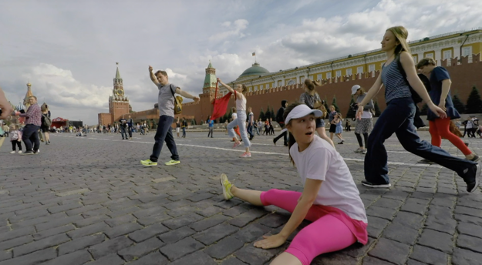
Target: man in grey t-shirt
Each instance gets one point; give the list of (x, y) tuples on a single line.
[(166, 113)]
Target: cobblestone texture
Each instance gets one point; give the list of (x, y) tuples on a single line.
[(89, 201)]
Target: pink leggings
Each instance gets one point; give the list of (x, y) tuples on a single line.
[(325, 234)]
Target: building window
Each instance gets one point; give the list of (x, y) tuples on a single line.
[(291, 82), (415, 59), (267, 86), (255, 88), (466, 51), (338, 73), (348, 72), (280, 83), (371, 68), (328, 75), (447, 54), (302, 79), (261, 87), (318, 77), (429, 55), (359, 69)]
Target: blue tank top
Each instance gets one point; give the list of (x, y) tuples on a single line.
[(396, 85)]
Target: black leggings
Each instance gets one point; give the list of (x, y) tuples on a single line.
[(358, 137), (16, 143)]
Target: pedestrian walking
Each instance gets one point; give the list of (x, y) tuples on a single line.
[(281, 122), (440, 95), (130, 126), (166, 112), (250, 123), (46, 122), (123, 128), (32, 124), (183, 127), (331, 116), (241, 119), (399, 114), (210, 126), (16, 139), (338, 120), (312, 99), (365, 123), (178, 127), (330, 199)]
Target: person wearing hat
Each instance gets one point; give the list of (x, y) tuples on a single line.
[(330, 198), (363, 125)]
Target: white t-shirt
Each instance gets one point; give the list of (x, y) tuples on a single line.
[(322, 162), (240, 102), (234, 116)]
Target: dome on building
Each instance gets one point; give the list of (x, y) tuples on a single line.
[(255, 70)]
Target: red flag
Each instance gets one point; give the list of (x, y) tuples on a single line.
[(220, 106)]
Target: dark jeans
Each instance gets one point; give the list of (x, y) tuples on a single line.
[(184, 132), (123, 133), (398, 118), (283, 134), (250, 130), (164, 133), (130, 132), (30, 137)]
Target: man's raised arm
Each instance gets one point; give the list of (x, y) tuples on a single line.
[(186, 94), (153, 77)]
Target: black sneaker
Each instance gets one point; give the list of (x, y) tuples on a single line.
[(473, 182), (425, 161), (372, 185), (28, 153)]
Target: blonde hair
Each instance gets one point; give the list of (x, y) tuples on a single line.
[(401, 34)]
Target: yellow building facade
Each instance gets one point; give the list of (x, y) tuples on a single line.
[(440, 47)]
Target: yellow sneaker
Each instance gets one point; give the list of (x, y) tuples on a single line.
[(172, 162), (226, 187), (148, 163)]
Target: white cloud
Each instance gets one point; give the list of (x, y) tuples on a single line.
[(59, 87), (233, 31), (71, 62)]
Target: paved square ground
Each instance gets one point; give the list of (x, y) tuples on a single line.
[(87, 200)]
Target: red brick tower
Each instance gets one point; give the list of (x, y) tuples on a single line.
[(118, 102)]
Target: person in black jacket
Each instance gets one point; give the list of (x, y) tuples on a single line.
[(280, 120)]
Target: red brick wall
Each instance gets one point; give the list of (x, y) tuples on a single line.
[(464, 76)]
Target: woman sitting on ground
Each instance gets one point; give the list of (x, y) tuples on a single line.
[(330, 198)]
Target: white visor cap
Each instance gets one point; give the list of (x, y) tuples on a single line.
[(301, 111)]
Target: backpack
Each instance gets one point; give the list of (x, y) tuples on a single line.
[(415, 97), (46, 120), (177, 102)]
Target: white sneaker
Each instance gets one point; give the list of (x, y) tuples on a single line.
[(20, 151), (13, 152)]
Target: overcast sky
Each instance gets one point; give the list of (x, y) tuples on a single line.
[(68, 49)]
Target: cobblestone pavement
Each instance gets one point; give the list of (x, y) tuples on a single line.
[(87, 200)]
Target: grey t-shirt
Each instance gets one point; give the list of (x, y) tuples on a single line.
[(166, 100)]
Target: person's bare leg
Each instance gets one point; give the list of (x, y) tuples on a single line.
[(321, 131), (47, 136), (331, 136), (251, 196), (286, 258)]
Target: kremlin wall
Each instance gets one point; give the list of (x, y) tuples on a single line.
[(337, 76), (464, 76)]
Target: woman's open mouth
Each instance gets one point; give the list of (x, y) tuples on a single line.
[(309, 133)]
